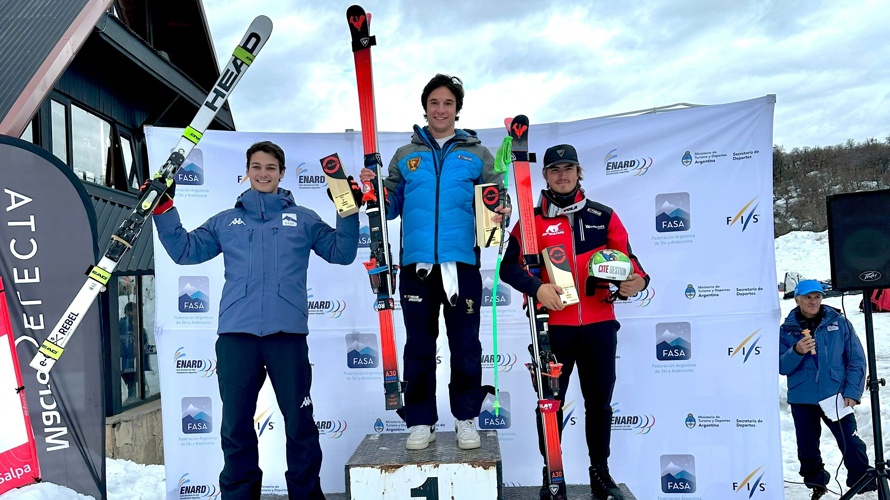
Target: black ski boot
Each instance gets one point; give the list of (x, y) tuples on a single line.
[(602, 485), (819, 492)]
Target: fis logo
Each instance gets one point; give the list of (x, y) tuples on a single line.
[(185, 365), (192, 171), (672, 212), (361, 350), (194, 294), (487, 417), (263, 422), (503, 292), (747, 347), (568, 414), (615, 165), (673, 341), (678, 474), (309, 180), (197, 415), (333, 429), (188, 490), (746, 215), (750, 484)]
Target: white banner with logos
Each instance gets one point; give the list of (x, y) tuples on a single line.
[(696, 402)]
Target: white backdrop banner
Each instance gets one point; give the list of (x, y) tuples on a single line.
[(696, 402)]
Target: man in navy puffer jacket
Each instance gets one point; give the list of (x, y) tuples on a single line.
[(823, 358), (266, 242)]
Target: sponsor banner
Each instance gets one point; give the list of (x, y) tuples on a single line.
[(43, 254), (696, 361)]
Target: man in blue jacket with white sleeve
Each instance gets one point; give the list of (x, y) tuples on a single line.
[(823, 359), (266, 240)]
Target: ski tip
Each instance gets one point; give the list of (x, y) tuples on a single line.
[(261, 23), (507, 122)]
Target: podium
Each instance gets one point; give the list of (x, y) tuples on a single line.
[(382, 469)]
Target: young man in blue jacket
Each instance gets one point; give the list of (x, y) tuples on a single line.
[(431, 184), (265, 240), (823, 358)]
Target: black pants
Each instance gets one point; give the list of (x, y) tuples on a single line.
[(808, 427), (421, 301), (243, 361), (592, 348)]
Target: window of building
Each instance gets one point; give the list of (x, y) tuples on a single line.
[(91, 141), (138, 363), (129, 165), (59, 125)]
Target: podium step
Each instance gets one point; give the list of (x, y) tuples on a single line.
[(382, 469)]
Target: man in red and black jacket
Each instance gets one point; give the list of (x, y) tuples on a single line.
[(584, 333)]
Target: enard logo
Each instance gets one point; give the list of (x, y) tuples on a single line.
[(678, 474), (309, 180), (333, 429), (194, 294), (361, 350), (192, 171), (614, 165), (186, 365), (673, 341), (639, 424), (189, 490)]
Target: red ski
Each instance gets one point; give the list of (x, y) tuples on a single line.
[(380, 267), (544, 365)]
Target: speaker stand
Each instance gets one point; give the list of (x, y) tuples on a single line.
[(879, 471)]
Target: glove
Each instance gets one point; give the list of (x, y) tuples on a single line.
[(166, 202), (357, 194)]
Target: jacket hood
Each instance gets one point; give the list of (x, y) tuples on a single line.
[(422, 136), (258, 204)]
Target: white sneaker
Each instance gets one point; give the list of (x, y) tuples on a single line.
[(467, 437), (421, 436)]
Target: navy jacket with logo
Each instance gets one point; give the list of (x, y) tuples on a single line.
[(837, 368), (266, 242)]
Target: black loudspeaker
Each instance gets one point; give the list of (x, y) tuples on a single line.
[(859, 240)]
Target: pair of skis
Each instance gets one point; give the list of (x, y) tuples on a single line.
[(381, 270), (125, 236), (544, 368)]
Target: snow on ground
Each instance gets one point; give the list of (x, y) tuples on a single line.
[(802, 252)]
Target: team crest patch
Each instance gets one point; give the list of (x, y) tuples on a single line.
[(413, 163), (289, 220)]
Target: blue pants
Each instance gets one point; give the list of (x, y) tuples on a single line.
[(243, 360), (422, 300), (808, 427), (592, 348)]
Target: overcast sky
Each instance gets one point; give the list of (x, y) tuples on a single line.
[(566, 60)]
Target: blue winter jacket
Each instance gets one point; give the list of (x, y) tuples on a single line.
[(432, 189), (837, 368), (265, 241)]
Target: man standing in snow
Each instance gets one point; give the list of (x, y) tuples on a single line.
[(824, 361)]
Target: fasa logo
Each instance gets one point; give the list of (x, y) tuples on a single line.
[(503, 292), (309, 180), (364, 236), (186, 365), (747, 347), (487, 417), (194, 294), (750, 484), (746, 215), (678, 474), (197, 415), (361, 350), (192, 171), (673, 341), (189, 490), (263, 422), (333, 429), (672, 212), (614, 165)]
